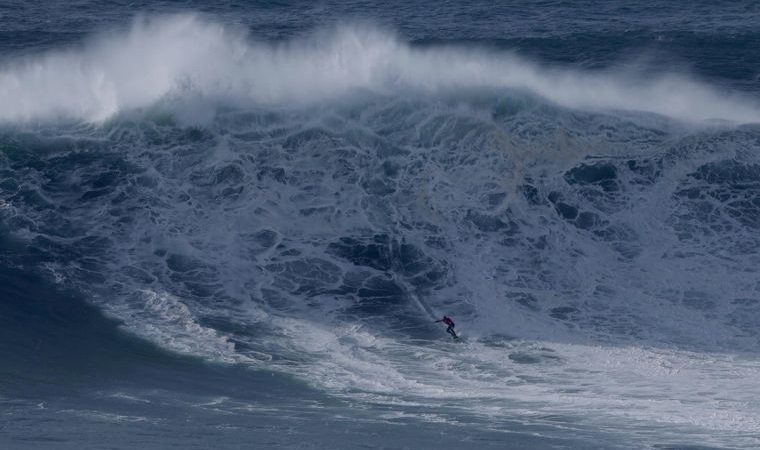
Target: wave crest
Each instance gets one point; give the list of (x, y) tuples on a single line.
[(185, 55)]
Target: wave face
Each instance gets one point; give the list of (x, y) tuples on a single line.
[(310, 207)]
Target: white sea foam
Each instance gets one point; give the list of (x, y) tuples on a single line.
[(186, 56), (704, 396), (166, 320), (701, 395), (109, 417), (127, 397)]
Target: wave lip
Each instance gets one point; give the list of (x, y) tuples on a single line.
[(184, 55)]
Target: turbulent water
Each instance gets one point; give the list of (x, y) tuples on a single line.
[(229, 225)]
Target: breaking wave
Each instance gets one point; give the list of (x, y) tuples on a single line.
[(311, 207), (186, 56)]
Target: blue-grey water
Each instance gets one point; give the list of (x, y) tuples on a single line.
[(232, 225)]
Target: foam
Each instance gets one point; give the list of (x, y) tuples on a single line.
[(184, 56), (622, 389), (166, 320), (109, 417)]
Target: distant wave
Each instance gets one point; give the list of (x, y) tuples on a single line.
[(185, 55)]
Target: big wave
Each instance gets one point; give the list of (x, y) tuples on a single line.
[(312, 207), (187, 56)]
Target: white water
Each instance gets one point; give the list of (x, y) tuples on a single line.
[(187, 56)]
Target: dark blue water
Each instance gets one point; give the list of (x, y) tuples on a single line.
[(233, 225)]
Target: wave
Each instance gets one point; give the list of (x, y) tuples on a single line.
[(591, 262), (187, 56)]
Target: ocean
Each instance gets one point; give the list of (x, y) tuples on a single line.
[(233, 225)]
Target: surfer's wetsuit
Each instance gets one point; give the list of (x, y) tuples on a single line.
[(450, 324)]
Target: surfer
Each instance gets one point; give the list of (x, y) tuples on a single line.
[(450, 324)]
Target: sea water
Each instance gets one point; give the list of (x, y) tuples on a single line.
[(233, 225)]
